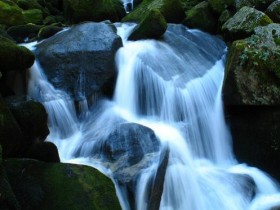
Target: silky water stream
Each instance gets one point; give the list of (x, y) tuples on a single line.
[(174, 88)]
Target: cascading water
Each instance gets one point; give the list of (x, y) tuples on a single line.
[(177, 93)]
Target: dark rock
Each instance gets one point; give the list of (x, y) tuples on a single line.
[(13, 57), (256, 136), (29, 4), (45, 186), (171, 10), (10, 15), (257, 4), (252, 69), (80, 60), (188, 4), (43, 151), (152, 26), (49, 20), (273, 11), (34, 16), (48, 31), (130, 142), (31, 117), (11, 136), (95, 10), (243, 23), (3, 33), (224, 17), (220, 5), (23, 33), (201, 17)]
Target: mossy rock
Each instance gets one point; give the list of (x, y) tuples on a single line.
[(10, 15), (94, 10), (34, 16), (220, 5), (273, 11), (152, 26), (243, 23), (3, 33), (32, 119), (172, 10), (11, 136), (29, 4), (13, 57), (24, 33), (201, 17), (253, 69), (188, 4), (257, 4), (49, 20), (48, 31), (60, 186), (224, 17)]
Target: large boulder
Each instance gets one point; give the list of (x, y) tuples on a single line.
[(13, 57), (243, 23), (201, 17), (10, 14), (273, 11), (152, 26), (80, 60), (94, 10), (39, 185), (31, 117), (252, 69), (10, 133), (171, 10)]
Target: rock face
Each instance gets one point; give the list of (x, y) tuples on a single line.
[(273, 11), (80, 61), (95, 10), (171, 10), (243, 23), (39, 185), (152, 26), (201, 17), (252, 69)]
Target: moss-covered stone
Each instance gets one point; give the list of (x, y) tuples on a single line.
[(29, 4), (34, 16), (224, 17), (253, 69), (48, 31), (60, 186), (257, 4), (188, 4), (10, 133), (10, 15), (24, 33), (273, 11), (201, 17), (95, 10), (49, 20), (13, 57), (3, 33), (243, 23), (152, 26), (172, 10), (220, 5)]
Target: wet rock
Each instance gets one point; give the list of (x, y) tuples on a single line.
[(171, 10), (243, 23), (80, 60), (152, 26)]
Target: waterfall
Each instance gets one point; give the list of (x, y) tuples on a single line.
[(177, 93)]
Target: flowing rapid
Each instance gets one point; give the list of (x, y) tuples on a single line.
[(173, 87)]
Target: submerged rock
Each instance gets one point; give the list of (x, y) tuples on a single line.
[(40, 185), (80, 60), (171, 10), (152, 26), (243, 23), (252, 69), (95, 10)]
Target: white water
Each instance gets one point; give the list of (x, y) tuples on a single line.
[(185, 111)]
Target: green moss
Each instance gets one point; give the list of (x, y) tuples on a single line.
[(171, 10), (96, 10), (48, 31), (152, 26), (10, 15), (201, 17), (13, 57), (34, 16), (23, 33), (67, 186)]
